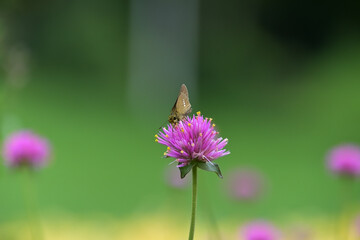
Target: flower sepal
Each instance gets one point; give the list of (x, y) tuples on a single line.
[(210, 167), (207, 166), (186, 169)]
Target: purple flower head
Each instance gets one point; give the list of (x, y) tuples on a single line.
[(260, 230), (25, 148), (173, 178), (193, 138), (344, 160), (245, 185)]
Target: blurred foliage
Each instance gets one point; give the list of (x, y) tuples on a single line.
[(279, 78)]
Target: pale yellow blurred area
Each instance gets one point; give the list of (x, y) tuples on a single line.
[(160, 226), (153, 226)]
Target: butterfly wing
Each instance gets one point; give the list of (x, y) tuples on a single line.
[(183, 106)]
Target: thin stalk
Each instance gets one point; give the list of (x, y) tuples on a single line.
[(213, 225), (194, 201), (346, 207), (31, 206)]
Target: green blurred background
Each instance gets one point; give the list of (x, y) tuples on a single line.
[(98, 78)]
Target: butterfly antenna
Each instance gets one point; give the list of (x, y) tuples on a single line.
[(208, 160), (172, 162), (162, 125)]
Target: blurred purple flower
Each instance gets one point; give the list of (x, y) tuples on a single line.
[(25, 148), (245, 185), (345, 160), (259, 230), (192, 139), (356, 225), (173, 178), (301, 232)]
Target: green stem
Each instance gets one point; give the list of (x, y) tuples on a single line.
[(194, 197), (214, 228), (31, 206), (346, 207)]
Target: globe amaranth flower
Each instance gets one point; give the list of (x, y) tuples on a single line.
[(345, 160), (25, 148), (245, 184), (259, 230), (192, 139)]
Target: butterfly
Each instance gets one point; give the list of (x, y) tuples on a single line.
[(182, 106)]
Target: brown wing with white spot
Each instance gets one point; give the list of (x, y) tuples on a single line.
[(183, 106)]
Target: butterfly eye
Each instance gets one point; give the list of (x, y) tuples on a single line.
[(174, 118)]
